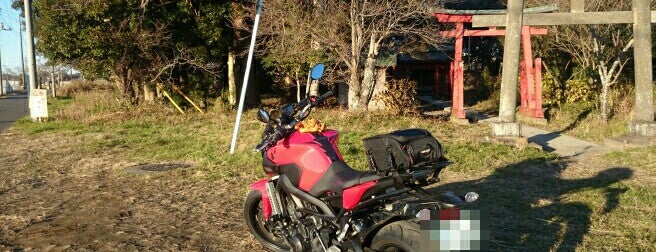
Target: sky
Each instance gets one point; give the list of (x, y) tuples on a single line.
[(10, 40)]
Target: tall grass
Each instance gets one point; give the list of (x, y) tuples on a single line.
[(583, 119), (83, 86), (159, 133)]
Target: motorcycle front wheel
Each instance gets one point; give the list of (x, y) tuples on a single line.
[(257, 226), (397, 236)]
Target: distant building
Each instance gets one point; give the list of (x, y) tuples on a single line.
[(10, 86)]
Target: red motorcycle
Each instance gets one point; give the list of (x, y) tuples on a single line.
[(314, 201)]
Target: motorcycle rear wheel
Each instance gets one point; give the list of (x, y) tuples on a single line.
[(256, 224), (397, 236)]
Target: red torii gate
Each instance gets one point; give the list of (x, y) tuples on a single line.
[(531, 69)]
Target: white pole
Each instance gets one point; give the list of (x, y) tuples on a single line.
[(246, 76), (2, 85)]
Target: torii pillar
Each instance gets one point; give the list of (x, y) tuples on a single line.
[(507, 126), (643, 124), (641, 17)]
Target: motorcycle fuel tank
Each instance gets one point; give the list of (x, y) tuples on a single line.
[(312, 153)]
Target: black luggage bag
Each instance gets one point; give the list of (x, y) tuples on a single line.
[(402, 150)]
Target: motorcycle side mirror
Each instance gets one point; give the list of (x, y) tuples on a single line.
[(263, 115), (317, 71)]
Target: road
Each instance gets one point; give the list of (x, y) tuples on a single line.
[(12, 108)]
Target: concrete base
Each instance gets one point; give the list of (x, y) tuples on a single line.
[(629, 141), (505, 129), (647, 129), (519, 142)]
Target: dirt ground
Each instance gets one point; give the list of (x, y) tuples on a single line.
[(51, 200)]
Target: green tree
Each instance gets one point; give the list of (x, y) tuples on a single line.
[(134, 42)]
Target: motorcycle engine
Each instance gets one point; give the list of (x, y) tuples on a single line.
[(322, 240)]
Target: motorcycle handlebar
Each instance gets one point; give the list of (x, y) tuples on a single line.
[(274, 138), (312, 100), (278, 134)]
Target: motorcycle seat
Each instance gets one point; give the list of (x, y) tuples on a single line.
[(340, 176)]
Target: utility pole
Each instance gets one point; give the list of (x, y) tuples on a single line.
[(2, 84), (20, 35), (31, 55), (37, 97)]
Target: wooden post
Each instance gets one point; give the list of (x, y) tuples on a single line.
[(538, 112), (179, 91), (232, 84), (160, 88), (175, 104), (523, 88), (457, 108), (528, 67), (436, 81)]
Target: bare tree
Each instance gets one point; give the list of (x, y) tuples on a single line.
[(375, 26), (599, 50), (351, 33), (286, 45), (609, 67)]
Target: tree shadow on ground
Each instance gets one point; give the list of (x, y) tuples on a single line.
[(532, 208), (576, 121)]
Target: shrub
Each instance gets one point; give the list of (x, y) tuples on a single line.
[(621, 100), (581, 91), (399, 97), (481, 86), (74, 87)]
